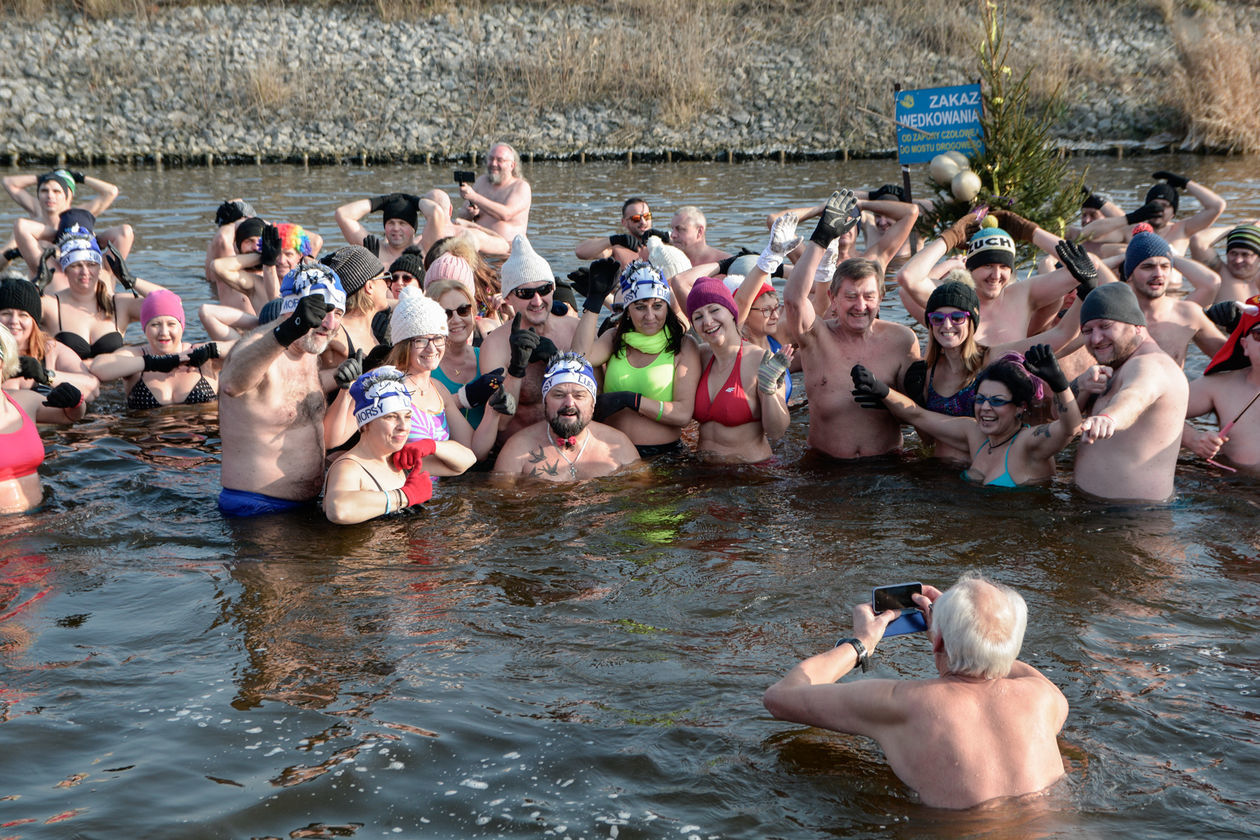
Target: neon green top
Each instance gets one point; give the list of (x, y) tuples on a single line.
[(655, 381)]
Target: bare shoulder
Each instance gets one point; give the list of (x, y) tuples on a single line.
[(512, 456), (620, 447), (897, 335)]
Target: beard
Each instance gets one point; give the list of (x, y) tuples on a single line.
[(496, 178), (313, 343), (567, 425)]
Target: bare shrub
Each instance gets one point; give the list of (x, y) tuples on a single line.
[(1216, 87)]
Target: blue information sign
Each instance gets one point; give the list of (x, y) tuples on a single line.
[(935, 120)]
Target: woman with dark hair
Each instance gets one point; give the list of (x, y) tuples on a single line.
[(945, 380), (1003, 449), (651, 365)]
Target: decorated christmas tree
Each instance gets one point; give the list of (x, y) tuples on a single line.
[(1021, 168)]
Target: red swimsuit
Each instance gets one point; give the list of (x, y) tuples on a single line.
[(730, 406), (21, 452)]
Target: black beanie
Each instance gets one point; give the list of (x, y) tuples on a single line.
[(248, 228), (958, 295), (1164, 191), (400, 207), (411, 263), (21, 294)]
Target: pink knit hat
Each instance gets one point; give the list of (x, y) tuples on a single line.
[(161, 302), (449, 267)]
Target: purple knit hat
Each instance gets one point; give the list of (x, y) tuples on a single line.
[(709, 290)]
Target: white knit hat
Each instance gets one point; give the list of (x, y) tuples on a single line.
[(524, 267), (416, 315), (667, 258)]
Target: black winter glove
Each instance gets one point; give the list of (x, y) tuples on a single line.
[(64, 395), (1076, 260), (1177, 181), (164, 363), (867, 390), (349, 370), (599, 282), (30, 367), (523, 343), (839, 215), (309, 314), (269, 245), (609, 403), (1225, 315), (119, 267), (200, 355), (483, 387), (232, 211), (1040, 361), (1145, 213)]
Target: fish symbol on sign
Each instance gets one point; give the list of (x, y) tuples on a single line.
[(907, 101)]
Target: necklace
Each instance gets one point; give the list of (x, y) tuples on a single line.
[(1002, 443), (572, 463), (417, 390)]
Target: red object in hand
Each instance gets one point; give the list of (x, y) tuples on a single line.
[(418, 488), (409, 457)]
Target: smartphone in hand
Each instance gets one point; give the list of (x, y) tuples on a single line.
[(897, 597), (464, 176)]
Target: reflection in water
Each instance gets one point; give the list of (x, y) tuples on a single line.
[(569, 661)]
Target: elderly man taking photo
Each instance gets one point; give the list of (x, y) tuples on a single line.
[(984, 728)]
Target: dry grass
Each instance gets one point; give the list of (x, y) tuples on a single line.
[(676, 56), (1220, 72)]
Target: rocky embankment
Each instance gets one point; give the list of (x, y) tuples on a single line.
[(276, 83)]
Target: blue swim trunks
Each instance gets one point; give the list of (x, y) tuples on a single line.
[(245, 503)]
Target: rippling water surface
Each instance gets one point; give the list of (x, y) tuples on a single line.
[(584, 662)]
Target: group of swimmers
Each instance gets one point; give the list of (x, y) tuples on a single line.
[(446, 342)]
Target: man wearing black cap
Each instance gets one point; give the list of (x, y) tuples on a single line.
[(1240, 270), (237, 230), (1130, 439), (1160, 209), (400, 215)]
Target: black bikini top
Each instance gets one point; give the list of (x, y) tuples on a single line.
[(107, 343)]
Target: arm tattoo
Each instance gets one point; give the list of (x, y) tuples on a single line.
[(1041, 431)]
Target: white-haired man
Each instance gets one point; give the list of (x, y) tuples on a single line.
[(500, 199), (984, 728)]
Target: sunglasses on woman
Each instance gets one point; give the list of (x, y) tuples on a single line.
[(462, 310), (528, 294), (937, 319), (996, 402)]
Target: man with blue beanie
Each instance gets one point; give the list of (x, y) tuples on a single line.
[(1149, 267), (1135, 398)]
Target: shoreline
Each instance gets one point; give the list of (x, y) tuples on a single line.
[(342, 86)]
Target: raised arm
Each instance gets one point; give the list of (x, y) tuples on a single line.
[(889, 244), (18, 186), (105, 194), (1212, 204), (1048, 439), (914, 278), (349, 214), (1205, 281)]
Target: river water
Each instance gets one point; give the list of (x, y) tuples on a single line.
[(588, 661)]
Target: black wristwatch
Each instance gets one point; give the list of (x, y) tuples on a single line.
[(860, 649)]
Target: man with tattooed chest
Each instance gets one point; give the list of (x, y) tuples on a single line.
[(567, 445)]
